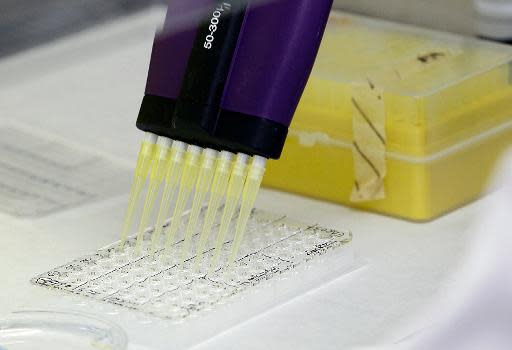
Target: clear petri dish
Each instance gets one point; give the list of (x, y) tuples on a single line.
[(45, 330)]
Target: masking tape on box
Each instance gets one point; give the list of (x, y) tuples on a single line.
[(369, 142)]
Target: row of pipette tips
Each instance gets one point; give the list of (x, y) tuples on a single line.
[(220, 177)]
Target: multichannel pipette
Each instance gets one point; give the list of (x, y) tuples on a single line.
[(219, 100)]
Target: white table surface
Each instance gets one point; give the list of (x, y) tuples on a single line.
[(88, 88)]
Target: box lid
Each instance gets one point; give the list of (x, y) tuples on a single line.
[(438, 89)]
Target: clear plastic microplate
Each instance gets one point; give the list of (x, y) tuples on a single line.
[(160, 303)]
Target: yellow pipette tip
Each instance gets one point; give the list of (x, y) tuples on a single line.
[(217, 193), (160, 165), (204, 179), (172, 179), (188, 180), (250, 192), (144, 160), (235, 187)]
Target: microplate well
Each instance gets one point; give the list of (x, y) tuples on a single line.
[(279, 259)]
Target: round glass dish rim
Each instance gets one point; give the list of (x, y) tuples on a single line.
[(32, 316)]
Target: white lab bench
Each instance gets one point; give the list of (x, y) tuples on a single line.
[(87, 89)]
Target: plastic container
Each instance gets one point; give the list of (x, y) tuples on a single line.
[(432, 113), (46, 330)]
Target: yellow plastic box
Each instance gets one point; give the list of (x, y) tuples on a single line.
[(399, 120)]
